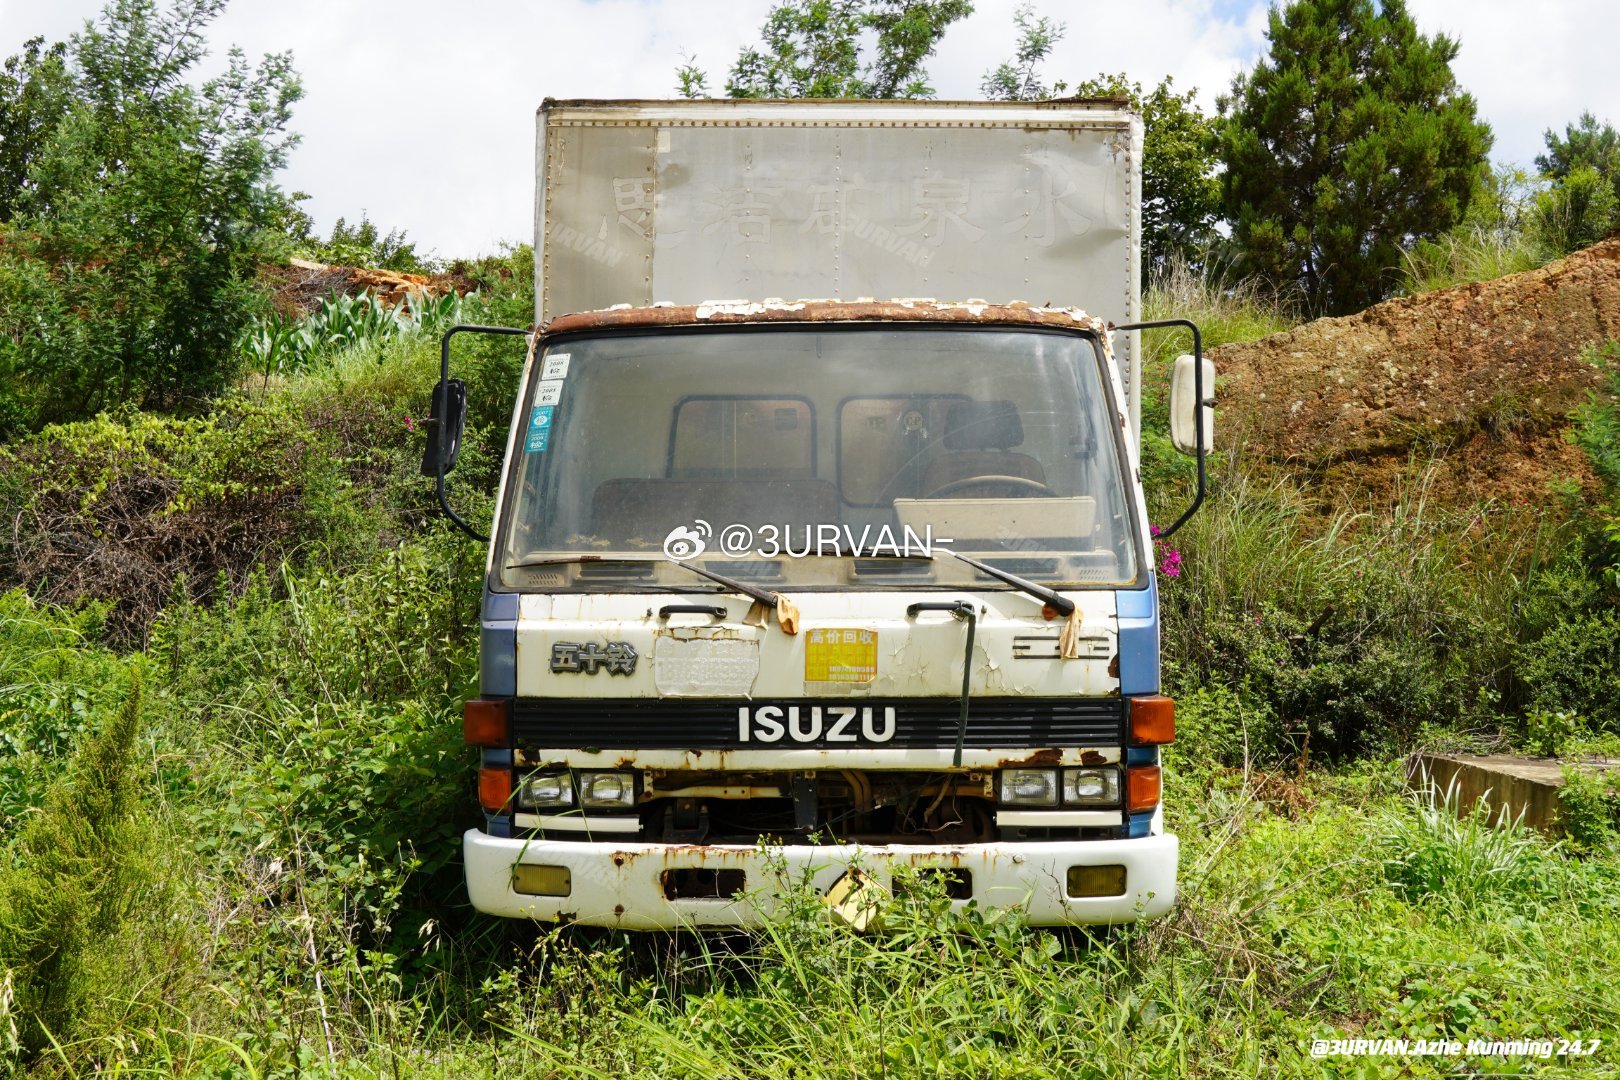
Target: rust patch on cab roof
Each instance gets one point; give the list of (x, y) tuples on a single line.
[(722, 312)]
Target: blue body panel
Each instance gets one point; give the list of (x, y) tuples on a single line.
[(1141, 824), (497, 645), (1138, 639)]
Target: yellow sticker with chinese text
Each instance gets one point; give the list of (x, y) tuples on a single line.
[(840, 656)]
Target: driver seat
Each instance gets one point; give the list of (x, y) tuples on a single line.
[(979, 437)]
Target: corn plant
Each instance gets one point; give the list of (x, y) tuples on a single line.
[(281, 346)]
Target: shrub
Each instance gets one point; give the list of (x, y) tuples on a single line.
[(1497, 236), (123, 509), (1575, 667), (1577, 212), (1589, 807), (1358, 627), (365, 245), (336, 758), (50, 680), (87, 939)]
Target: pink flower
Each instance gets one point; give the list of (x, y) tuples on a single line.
[(1170, 561), (410, 424)]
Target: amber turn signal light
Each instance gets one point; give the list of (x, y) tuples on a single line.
[(1153, 720), (483, 722), (1142, 787), (494, 788)]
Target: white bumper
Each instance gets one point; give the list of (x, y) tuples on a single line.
[(621, 884)]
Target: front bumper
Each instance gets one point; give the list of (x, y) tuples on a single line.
[(621, 884)]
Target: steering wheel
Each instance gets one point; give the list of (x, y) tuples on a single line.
[(1024, 486)]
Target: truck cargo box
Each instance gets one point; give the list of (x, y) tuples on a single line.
[(683, 202)]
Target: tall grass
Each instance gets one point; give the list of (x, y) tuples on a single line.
[(1360, 629), (1473, 252), (1226, 308)]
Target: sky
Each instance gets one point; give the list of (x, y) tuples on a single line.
[(421, 112)]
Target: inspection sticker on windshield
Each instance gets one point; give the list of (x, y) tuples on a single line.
[(555, 367), (840, 656), (548, 392), (539, 429)]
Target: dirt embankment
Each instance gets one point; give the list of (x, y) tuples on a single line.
[(1477, 380), (300, 286)]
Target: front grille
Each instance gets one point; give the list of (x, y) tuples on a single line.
[(690, 724)]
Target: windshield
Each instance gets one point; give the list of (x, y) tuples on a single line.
[(816, 458)]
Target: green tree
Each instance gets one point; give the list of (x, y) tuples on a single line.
[(1018, 79), (1583, 204), (838, 49), (126, 270), (1346, 144), (31, 93), (1585, 144), (1181, 196)]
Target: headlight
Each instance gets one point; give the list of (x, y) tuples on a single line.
[(1029, 787), (1091, 787), (546, 790), (607, 790)]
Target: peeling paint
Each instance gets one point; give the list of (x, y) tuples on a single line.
[(909, 309)]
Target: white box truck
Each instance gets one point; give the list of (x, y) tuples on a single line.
[(820, 546)]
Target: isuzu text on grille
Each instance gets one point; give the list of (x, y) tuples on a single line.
[(813, 723)]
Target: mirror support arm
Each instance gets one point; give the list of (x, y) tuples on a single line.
[(1198, 392), (444, 378)]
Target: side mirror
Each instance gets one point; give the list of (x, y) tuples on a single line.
[(1187, 412), (447, 420)]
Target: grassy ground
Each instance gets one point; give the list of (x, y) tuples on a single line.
[(228, 830)]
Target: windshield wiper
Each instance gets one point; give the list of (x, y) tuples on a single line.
[(1062, 604), (753, 592)]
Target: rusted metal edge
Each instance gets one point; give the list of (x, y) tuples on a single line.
[(718, 312), (548, 104)]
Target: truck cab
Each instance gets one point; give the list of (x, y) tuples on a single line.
[(809, 590)]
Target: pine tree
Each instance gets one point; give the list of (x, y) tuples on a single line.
[(1586, 144), (1347, 143)]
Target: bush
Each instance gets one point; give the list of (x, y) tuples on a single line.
[(365, 245), (1575, 667), (88, 942), (1355, 630), (51, 677), (126, 508), (335, 784), (1577, 212)]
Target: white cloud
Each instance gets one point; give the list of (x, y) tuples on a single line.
[(1530, 67), (421, 112)]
